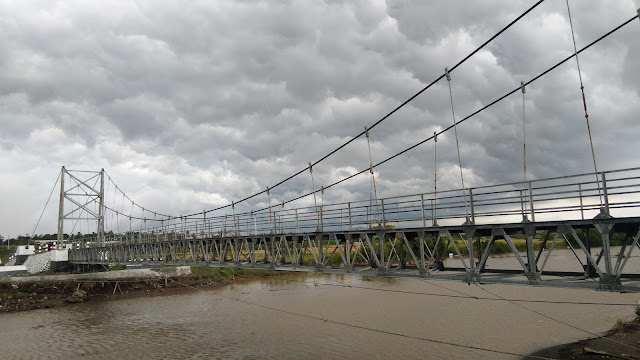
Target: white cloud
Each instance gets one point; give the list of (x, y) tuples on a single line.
[(189, 106)]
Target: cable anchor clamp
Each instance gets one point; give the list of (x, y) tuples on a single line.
[(524, 90), (446, 72)]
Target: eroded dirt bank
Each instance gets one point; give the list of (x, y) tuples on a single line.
[(21, 296)]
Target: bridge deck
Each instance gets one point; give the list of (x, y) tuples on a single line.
[(411, 252)]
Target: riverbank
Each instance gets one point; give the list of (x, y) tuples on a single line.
[(45, 293), (621, 342)]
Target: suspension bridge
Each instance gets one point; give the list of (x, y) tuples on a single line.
[(438, 234)]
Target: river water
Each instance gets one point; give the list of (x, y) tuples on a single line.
[(289, 323)]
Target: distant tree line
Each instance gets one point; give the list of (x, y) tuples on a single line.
[(25, 239)]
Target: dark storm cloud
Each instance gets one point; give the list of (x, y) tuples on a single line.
[(193, 105)]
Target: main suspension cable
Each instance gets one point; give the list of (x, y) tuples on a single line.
[(474, 113), (455, 130), (431, 137), (384, 117)]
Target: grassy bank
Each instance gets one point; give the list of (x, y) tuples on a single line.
[(48, 294)]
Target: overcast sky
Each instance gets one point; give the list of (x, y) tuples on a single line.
[(189, 105)]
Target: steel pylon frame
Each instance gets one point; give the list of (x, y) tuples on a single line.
[(84, 192)]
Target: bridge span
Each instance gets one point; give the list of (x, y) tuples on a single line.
[(448, 235)]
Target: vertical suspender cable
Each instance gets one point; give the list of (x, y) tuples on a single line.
[(233, 215), (269, 199), (315, 202), (373, 178), (524, 142), (130, 222), (435, 177), (281, 220), (455, 130), (321, 207), (113, 204), (584, 103), (524, 133)]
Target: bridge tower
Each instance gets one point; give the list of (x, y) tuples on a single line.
[(81, 199)]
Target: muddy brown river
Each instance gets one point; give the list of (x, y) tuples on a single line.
[(225, 324)]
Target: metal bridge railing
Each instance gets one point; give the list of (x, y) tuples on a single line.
[(552, 199)]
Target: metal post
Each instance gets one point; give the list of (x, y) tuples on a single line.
[(384, 221), (224, 226), (581, 205), (381, 268), (606, 195), (233, 213), (435, 179), (479, 250), (320, 252), (524, 217), (269, 199), (424, 220), (606, 247), (315, 202), (533, 214), (60, 210), (472, 261), (473, 214), (273, 255), (100, 239), (322, 209), (204, 223), (349, 207), (421, 239), (255, 223), (281, 216), (297, 230)]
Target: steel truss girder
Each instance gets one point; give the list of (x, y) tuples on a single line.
[(393, 252)]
